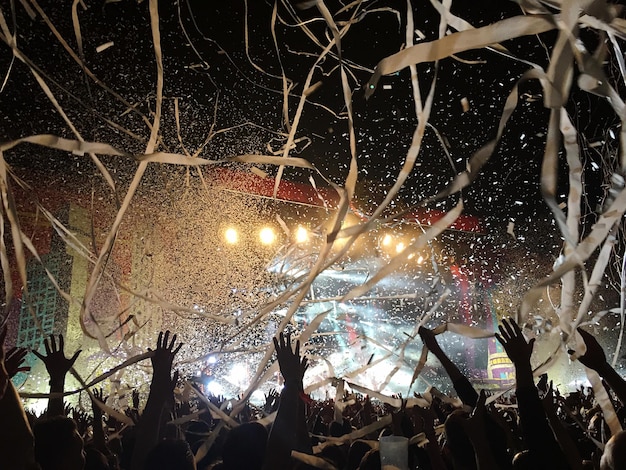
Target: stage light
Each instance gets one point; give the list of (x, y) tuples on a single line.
[(239, 375), (387, 239), (420, 259), (400, 247), (267, 235), (214, 388), (231, 236), (302, 235)]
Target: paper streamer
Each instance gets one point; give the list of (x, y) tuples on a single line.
[(509, 28), (602, 397)]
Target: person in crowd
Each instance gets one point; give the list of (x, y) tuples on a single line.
[(160, 403), (58, 445), (468, 450), (543, 449), (614, 455), (536, 425), (17, 450), (57, 366), (289, 431)]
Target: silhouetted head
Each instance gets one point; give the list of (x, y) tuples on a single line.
[(244, 447), (94, 459), (358, 449), (170, 454), (58, 446), (458, 442)]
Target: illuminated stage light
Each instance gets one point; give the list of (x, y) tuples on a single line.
[(387, 239), (400, 247), (267, 236), (239, 375), (231, 236), (214, 388), (302, 235), (420, 259)]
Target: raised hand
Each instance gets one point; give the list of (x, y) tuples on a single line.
[(594, 358), (164, 356), (98, 394), (55, 361), (429, 339), (271, 401), (160, 399), (14, 359), (514, 343), (291, 365)]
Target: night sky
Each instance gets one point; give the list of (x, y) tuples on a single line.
[(219, 82)]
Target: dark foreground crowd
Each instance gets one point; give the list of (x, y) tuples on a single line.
[(533, 428)]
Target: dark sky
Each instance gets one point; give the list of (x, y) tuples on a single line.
[(208, 71)]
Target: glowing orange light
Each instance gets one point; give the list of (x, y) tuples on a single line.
[(267, 235), (231, 236), (302, 235)]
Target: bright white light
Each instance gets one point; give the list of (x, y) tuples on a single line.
[(400, 247), (37, 406), (212, 360), (257, 398), (387, 239), (420, 259), (214, 388), (267, 236), (238, 375), (231, 236), (302, 235)]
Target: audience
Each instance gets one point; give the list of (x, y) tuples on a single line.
[(533, 427)]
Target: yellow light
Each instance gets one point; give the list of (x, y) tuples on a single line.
[(267, 236), (387, 239), (301, 235), (420, 259), (231, 236), (400, 247)]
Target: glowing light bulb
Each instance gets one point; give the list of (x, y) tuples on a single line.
[(231, 236), (267, 236), (301, 235)]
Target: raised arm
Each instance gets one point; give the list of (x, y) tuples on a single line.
[(16, 438), (289, 430), (594, 358), (57, 366), (541, 443), (159, 399), (462, 385), (99, 439)]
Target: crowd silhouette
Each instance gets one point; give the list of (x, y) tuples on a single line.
[(533, 427)]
